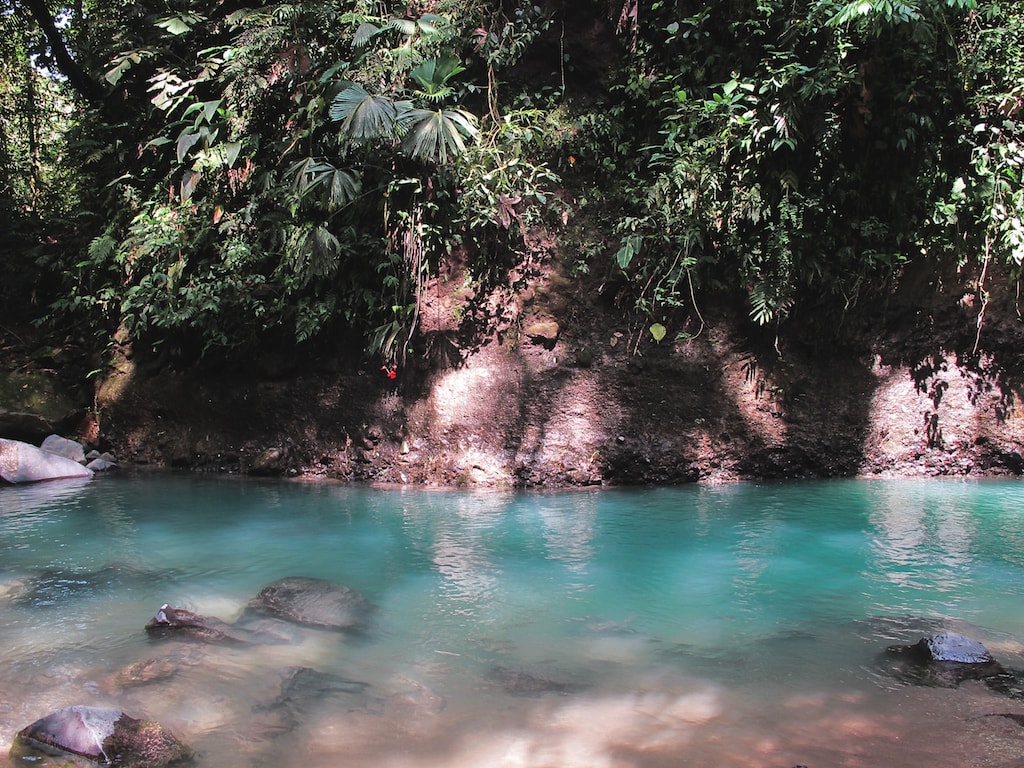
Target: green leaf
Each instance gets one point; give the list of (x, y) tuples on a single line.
[(332, 71), (364, 33), (629, 248), (406, 26), (159, 141), (658, 331), (364, 117), (437, 136), (344, 188), (178, 25), (188, 184), (210, 109), (434, 74), (185, 142), (231, 152)]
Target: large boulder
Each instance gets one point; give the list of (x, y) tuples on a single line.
[(28, 427), (24, 463), (105, 736), (314, 602)]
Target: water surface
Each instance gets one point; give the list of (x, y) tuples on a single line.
[(706, 626)]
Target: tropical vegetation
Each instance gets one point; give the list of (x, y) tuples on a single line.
[(203, 178)]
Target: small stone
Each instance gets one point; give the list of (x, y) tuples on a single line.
[(543, 332)]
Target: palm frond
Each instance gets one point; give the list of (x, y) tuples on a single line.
[(438, 136), (364, 117)]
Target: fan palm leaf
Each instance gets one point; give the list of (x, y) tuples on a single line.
[(364, 117), (437, 136)]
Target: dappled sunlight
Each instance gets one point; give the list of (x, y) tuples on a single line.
[(574, 420), (467, 405), (467, 394), (469, 576), (748, 388), (920, 412), (550, 732), (479, 465), (569, 532)]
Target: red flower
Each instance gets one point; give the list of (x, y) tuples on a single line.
[(390, 370)]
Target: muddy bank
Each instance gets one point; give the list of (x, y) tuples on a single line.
[(542, 384)]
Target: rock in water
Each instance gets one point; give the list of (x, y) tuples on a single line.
[(62, 446), (525, 682), (316, 602), (24, 463), (170, 622), (945, 659), (106, 736), (951, 646)]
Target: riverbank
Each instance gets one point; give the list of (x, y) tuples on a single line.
[(545, 382), (545, 386)]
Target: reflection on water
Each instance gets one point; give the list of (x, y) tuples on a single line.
[(737, 626)]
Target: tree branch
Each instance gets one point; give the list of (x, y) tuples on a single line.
[(77, 77)]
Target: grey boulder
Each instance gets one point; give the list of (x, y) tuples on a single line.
[(946, 659), (952, 646), (62, 446)]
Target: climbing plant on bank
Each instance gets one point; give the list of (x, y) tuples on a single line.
[(806, 152)]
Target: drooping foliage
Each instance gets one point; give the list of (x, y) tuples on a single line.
[(212, 177), (280, 172), (807, 151)]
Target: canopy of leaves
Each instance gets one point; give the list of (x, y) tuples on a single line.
[(291, 171)]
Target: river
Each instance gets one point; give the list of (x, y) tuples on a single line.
[(734, 626)]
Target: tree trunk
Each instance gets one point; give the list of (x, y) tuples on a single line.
[(77, 77)]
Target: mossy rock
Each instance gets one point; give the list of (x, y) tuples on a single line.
[(37, 393)]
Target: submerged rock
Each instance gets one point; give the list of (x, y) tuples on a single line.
[(56, 587), (314, 602), (105, 736), (519, 681), (180, 622), (145, 672), (302, 688)]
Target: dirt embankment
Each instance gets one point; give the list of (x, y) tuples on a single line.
[(540, 383)]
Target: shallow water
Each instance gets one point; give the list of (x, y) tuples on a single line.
[(733, 626)]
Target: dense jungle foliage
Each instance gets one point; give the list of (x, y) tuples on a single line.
[(205, 177)]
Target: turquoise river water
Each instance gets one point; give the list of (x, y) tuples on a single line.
[(734, 626)]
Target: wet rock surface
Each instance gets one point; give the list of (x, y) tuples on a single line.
[(312, 602), (105, 736), (184, 624), (948, 659)]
